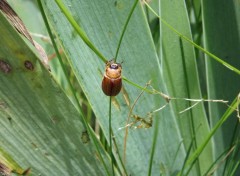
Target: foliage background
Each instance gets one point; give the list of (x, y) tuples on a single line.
[(44, 113)]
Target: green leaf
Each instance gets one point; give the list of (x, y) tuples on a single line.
[(221, 37), (103, 22), (181, 77), (40, 128)]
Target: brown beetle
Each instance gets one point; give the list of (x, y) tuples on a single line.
[(112, 81)]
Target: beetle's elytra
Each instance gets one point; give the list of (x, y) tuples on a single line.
[(112, 81)]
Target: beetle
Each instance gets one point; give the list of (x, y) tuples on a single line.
[(112, 80)]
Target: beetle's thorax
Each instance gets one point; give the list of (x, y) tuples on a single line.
[(113, 71)]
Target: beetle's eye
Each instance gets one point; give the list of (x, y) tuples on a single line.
[(114, 66)]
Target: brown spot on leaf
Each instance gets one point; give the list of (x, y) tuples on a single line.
[(118, 4), (28, 65), (85, 137), (5, 67), (10, 119), (34, 145)]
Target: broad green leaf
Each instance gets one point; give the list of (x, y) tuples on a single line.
[(221, 37), (40, 128), (103, 22), (181, 76)]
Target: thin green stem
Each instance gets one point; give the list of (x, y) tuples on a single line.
[(83, 119), (186, 158), (124, 29), (228, 168), (153, 147), (79, 30), (110, 133), (194, 44), (120, 159), (138, 86)]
